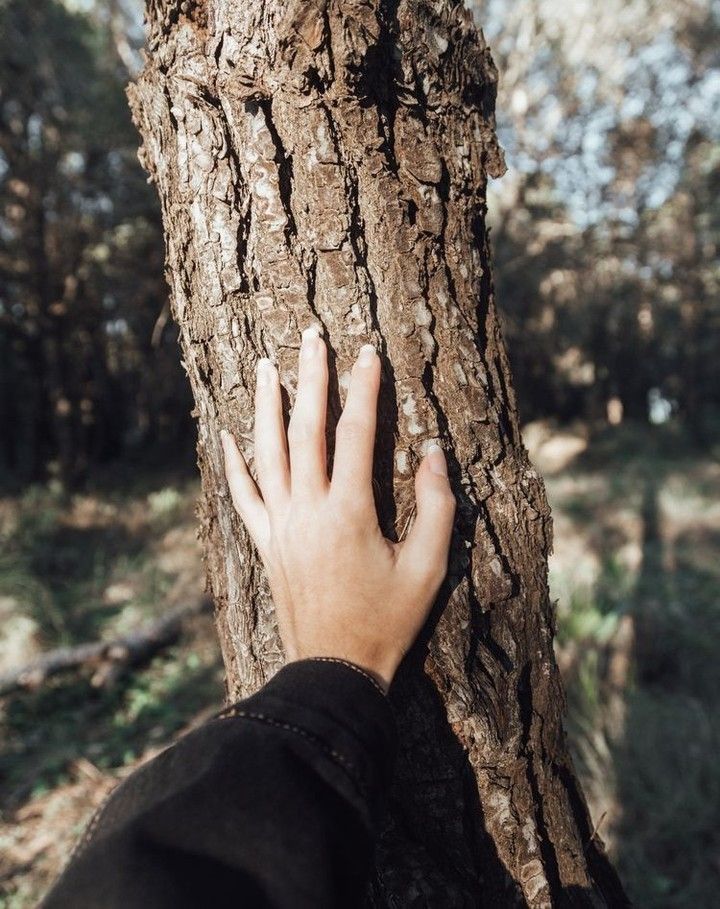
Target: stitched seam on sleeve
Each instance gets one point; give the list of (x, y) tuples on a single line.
[(357, 669), (350, 768), (84, 839), (229, 713)]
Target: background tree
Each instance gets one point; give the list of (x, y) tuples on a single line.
[(605, 114), (76, 311), (327, 163)]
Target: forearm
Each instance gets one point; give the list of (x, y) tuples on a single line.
[(275, 803)]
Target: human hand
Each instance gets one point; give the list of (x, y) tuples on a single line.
[(341, 589)]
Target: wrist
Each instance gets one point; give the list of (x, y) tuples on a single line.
[(381, 680)]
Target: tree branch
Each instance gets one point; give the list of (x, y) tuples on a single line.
[(110, 657)]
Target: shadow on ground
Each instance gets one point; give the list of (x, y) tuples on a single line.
[(639, 649)]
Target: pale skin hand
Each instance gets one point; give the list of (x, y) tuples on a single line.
[(341, 589)]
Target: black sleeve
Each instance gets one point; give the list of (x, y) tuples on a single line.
[(273, 803)]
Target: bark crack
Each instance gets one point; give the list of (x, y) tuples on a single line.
[(546, 845), (285, 168)]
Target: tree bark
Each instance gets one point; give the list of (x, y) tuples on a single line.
[(326, 162)]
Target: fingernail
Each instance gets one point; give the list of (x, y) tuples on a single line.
[(310, 341), (436, 457), (366, 355), (264, 370)]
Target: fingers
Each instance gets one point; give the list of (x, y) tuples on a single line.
[(425, 550), (355, 433), (245, 496), (271, 455), (306, 430)]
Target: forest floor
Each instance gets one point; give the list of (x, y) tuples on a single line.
[(635, 573)]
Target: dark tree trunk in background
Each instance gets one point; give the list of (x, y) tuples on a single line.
[(325, 162)]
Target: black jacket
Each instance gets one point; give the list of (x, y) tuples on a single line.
[(274, 802)]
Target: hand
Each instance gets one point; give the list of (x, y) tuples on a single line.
[(341, 589)]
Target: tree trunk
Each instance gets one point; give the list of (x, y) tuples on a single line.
[(326, 162)]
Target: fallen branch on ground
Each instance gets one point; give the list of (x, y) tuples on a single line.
[(109, 657)]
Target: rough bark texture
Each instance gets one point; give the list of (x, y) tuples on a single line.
[(326, 162)]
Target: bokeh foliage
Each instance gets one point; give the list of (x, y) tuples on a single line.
[(606, 227), (86, 373)]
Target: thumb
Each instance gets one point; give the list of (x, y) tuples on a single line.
[(424, 552)]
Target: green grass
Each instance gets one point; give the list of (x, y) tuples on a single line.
[(58, 565), (84, 568), (47, 730)]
